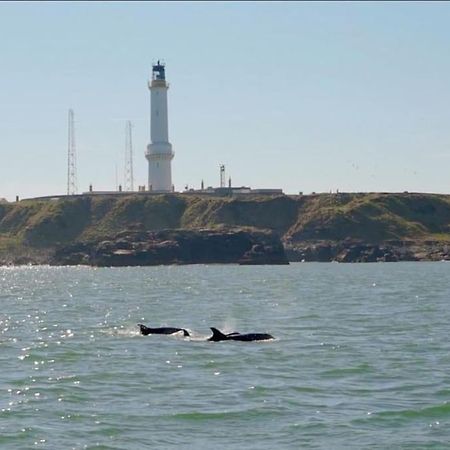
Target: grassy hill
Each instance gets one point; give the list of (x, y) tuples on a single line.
[(373, 217)]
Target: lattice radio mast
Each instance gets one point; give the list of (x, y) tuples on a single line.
[(129, 179), (71, 158)]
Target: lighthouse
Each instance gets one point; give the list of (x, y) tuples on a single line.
[(159, 152)]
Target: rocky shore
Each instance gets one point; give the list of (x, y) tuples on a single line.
[(131, 248), (138, 248), (348, 251)]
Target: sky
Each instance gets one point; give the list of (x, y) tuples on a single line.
[(303, 96)]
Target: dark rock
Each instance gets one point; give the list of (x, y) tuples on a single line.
[(354, 251), (123, 244), (260, 254), (137, 248)]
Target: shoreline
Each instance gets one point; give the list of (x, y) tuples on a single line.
[(169, 253)]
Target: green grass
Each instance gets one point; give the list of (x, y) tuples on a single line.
[(373, 217), (9, 243)]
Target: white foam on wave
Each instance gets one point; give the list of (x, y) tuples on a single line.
[(197, 337), (122, 331)]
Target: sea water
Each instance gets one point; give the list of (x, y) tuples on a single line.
[(361, 357)]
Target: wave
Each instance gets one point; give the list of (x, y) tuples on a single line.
[(437, 411), (433, 413), (341, 372), (219, 415)]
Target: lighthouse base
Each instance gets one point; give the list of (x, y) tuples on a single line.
[(159, 170)]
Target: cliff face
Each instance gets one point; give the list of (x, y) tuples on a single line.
[(46, 223), (315, 227), (147, 248), (371, 227)]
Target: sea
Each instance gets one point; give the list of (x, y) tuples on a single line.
[(360, 359)]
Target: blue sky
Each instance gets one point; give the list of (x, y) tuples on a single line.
[(303, 96)]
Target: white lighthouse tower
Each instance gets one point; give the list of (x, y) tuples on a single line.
[(159, 151)]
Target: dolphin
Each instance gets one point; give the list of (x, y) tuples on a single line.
[(219, 336), (164, 330)]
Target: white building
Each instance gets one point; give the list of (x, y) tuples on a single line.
[(159, 152)]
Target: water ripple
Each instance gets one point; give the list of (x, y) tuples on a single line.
[(360, 361)]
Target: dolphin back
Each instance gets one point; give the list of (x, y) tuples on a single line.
[(252, 337), (162, 330)]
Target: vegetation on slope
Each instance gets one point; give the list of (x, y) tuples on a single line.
[(373, 218), (276, 213), (327, 217), (110, 215)]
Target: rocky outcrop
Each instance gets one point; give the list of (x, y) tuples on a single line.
[(358, 251), (140, 248)]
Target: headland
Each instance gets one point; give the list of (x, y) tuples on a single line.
[(109, 230)]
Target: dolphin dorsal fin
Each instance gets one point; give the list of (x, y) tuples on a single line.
[(144, 330), (217, 335)]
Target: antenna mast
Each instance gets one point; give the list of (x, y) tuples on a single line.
[(222, 176), (71, 158), (129, 179)]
